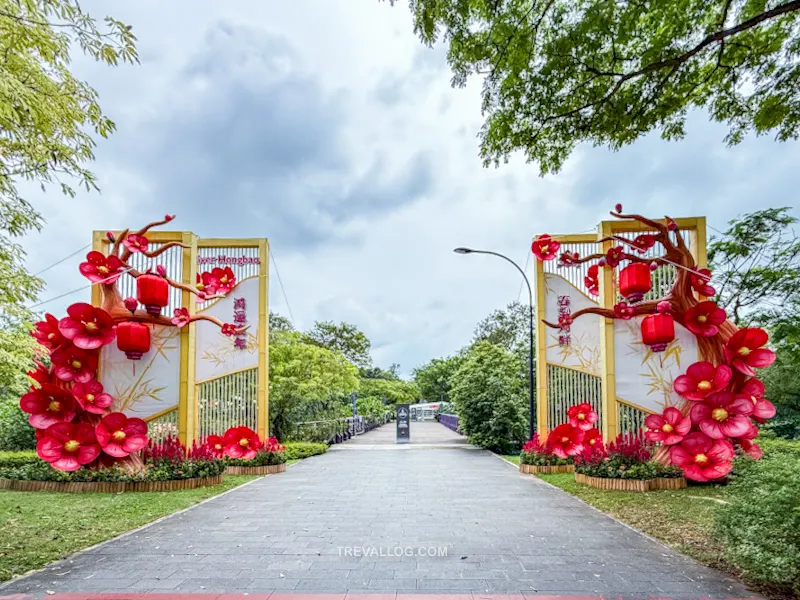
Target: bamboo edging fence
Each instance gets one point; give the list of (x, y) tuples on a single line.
[(632, 485), (112, 487), (263, 470), (546, 469)]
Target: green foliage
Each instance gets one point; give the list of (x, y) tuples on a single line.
[(543, 460), (262, 459), (343, 338), (559, 73), (15, 459), (760, 526), (15, 432), (41, 471), (300, 450), (509, 328), (278, 323), (616, 467), (489, 398), (395, 391), (434, 378), (307, 383), (390, 374)]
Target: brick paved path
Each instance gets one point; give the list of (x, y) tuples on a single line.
[(335, 523)]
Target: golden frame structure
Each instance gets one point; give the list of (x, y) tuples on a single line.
[(187, 400), (695, 227)]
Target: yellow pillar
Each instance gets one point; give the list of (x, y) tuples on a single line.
[(187, 402), (542, 426), (608, 298), (263, 340)]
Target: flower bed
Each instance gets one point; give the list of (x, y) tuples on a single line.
[(246, 454), (632, 485), (261, 470), (546, 469), (113, 487)]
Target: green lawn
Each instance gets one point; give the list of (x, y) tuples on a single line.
[(514, 458), (37, 527)]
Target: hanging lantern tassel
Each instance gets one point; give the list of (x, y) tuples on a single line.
[(134, 340), (658, 331)]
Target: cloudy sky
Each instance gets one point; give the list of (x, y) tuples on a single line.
[(327, 127)]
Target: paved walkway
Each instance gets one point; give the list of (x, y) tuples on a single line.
[(428, 433), (419, 521)]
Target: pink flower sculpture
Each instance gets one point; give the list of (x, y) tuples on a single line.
[(545, 248), (582, 416), (723, 415), (87, 326), (91, 397), (73, 364), (136, 243), (701, 458), (745, 353), (47, 334), (643, 242), (668, 428), (68, 446), (224, 280), (119, 436), (704, 319), (763, 409), (48, 405), (622, 310), (591, 280), (229, 329), (99, 267), (700, 281), (701, 380), (614, 256), (181, 318), (216, 444)]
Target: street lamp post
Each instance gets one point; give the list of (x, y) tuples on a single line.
[(532, 406)]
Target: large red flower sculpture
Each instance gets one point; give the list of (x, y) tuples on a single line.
[(565, 441), (73, 364), (591, 280), (668, 428), (99, 267), (582, 416), (40, 374), (119, 435), (216, 444), (68, 446), (723, 415), (643, 242), (91, 397), (241, 442), (48, 405), (47, 334), (702, 379), (763, 409), (704, 319), (700, 281), (87, 326), (745, 353), (223, 280), (701, 458), (593, 438), (545, 248)]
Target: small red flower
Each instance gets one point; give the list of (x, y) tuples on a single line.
[(701, 380), (87, 326), (161, 270), (752, 449), (591, 280), (582, 416), (208, 282), (241, 442), (131, 304), (73, 364), (643, 242), (669, 427), (564, 321), (229, 329), (700, 281), (119, 435), (565, 440), (48, 405), (47, 334), (622, 310), (763, 409), (224, 278), (99, 267), (181, 318), (745, 353), (545, 247), (704, 318), (273, 445), (136, 243), (91, 397), (568, 258), (40, 374), (701, 458), (216, 444), (68, 446), (614, 256), (723, 415), (168, 218), (593, 438)]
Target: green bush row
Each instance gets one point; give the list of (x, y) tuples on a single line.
[(613, 468), (42, 471), (16, 459), (262, 459), (299, 450)]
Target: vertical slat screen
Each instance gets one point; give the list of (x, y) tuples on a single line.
[(631, 420), (164, 426), (567, 387), (226, 402)]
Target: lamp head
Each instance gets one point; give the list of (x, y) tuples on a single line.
[(462, 250)]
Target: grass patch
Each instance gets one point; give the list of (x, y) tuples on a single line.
[(514, 458), (38, 527)]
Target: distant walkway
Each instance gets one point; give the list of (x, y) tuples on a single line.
[(427, 433)]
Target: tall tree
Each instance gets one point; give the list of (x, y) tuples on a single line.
[(507, 327), (559, 73), (344, 338), (434, 378)]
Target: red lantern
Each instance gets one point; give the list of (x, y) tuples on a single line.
[(658, 331), (153, 292), (133, 339), (634, 281)]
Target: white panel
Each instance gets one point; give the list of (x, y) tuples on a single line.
[(142, 388), (218, 354), (644, 378), (583, 350)]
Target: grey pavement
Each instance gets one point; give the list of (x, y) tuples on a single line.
[(424, 520), (423, 433)]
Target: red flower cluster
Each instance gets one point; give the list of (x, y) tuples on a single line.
[(273, 445), (545, 248), (582, 416), (216, 281), (67, 405), (99, 267)]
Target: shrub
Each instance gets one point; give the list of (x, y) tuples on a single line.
[(15, 459), (627, 457), (15, 432), (760, 526), (299, 450), (165, 471)]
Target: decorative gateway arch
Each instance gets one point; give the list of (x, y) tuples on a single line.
[(207, 365), (601, 357)]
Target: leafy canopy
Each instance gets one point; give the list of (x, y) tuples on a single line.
[(344, 338), (434, 378), (560, 72)]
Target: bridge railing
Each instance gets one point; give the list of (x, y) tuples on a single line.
[(450, 421)]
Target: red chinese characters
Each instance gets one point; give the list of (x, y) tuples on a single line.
[(564, 320), (240, 321)]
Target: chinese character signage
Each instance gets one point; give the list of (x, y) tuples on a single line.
[(564, 320), (240, 320)]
